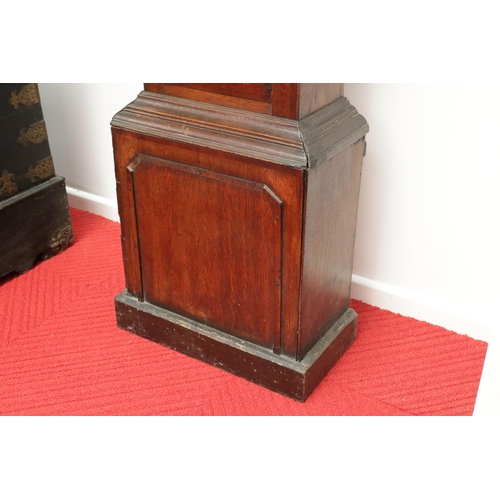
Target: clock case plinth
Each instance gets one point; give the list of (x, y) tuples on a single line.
[(238, 226)]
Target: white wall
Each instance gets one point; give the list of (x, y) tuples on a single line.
[(78, 117), (426, 240)]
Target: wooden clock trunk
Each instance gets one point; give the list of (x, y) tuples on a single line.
[(34, 213), (238, 207)]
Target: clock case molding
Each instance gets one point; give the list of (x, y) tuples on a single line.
[(238, 206)]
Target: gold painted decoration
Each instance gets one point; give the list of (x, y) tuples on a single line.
[(36, 134), (27, 96), (62, 238), (9, 188), (43, 169)]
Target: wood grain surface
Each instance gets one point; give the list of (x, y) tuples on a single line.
[(210, 247)]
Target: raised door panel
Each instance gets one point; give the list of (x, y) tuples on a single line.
[(210, 247)]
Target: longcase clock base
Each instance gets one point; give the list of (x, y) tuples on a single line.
[(286, 376)]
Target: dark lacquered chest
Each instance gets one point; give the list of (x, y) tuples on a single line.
[(34, 213)]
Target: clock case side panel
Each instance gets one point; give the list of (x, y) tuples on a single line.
[(334, 139)]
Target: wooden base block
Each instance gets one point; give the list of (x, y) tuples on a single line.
[(294, 379), (34, 224)]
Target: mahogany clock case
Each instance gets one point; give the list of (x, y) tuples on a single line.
[(238, 207)]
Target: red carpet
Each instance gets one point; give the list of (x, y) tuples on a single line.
[(62, 354)]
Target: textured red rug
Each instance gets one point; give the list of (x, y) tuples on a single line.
[(61, 353)]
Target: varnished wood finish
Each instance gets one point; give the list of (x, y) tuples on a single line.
[(314, 96), (285, 100), (216, 232), (330, 224), (212, 127), (241, 222), (335, 142), (286, 183), (261, 92), (204, 93), (128, 219)]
